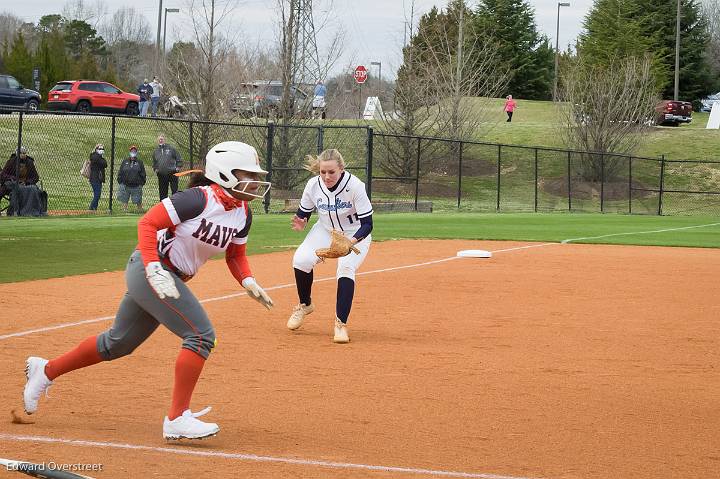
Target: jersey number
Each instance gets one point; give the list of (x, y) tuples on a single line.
[(350, 218)]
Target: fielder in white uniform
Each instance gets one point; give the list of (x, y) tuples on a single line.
[(342, 204)]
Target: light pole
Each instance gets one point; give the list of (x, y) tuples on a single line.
[(676, 94), (557, 48), (167, 10), (379, 65), (157, 42)]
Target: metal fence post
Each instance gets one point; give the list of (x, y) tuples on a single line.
[(320, 139), (112, 162), (630, 188), (602, 182), (460, 158), (369, 160), (662, 183), (19, 145), (569, 183), (269, 160), (190, 139), (417, 176), (497, 200), (536, 179)]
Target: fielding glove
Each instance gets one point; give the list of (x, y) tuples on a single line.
[(257, 293), (161, 281)]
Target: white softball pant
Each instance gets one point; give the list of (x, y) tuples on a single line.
[(318, 237)]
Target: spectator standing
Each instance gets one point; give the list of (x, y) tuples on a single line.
[(510, 106), (18, 170), (318, 104), (166, 162), (157, 89), (145, 91), (131, 179), (98, 163)]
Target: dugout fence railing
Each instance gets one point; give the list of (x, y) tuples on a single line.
[(402, 172)]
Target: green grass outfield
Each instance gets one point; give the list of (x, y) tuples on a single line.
[(60, 246)]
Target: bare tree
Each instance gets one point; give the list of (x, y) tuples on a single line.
[(467, 75), (9, 26), (197, 72), (89, 12), (126, 25), (609, 115)]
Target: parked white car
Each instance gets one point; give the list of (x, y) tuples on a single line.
[(707, 103)]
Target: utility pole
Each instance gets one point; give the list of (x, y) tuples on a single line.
[(557, 48), (676, 94), (157, 42)]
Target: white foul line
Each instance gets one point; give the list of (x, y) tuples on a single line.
[(565, 241), (253, 457), (235, 295)]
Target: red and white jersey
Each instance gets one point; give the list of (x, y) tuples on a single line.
[(206, 221), (340, 209)]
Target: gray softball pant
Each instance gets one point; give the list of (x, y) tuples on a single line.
[(141, 311)]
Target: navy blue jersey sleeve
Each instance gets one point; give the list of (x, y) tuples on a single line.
[(246, 230), (366, 226), (189, 203), (302, 214)]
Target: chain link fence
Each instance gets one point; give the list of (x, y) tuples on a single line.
[(402, 173)]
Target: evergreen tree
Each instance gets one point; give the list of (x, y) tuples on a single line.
[(50, 55), (625, 28), (511, 24), (18, 61)]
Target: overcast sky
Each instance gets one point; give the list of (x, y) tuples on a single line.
[(374, 29)]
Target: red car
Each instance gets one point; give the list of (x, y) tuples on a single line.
[(92, 96), (673, 112)]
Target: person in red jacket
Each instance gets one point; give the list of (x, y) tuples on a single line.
[(175, 238)]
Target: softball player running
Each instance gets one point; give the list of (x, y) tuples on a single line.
[(342, 205), (175, 238)]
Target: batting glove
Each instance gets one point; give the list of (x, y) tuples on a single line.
[(257, 293), (161, 281)]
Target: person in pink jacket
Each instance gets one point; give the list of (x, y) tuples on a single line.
[(510, 106)]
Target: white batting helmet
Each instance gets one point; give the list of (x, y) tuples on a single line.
[(225, 157)]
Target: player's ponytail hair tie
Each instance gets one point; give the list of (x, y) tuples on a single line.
[(312, 163)]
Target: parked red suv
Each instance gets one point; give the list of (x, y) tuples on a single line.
[(87, 96)]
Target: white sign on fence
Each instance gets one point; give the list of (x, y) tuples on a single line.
[(714, 119)]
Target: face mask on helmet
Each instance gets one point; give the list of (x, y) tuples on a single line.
[(226, 157)]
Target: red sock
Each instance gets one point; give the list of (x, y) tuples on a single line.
[(188, 367), (85, 354)]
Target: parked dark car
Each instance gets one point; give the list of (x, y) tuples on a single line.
[(263, 98), (86, 96), (14, 95), (673, 112)]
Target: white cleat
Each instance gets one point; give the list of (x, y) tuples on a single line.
[(341, 332), (188, 426), (298, 315), (37, 383)]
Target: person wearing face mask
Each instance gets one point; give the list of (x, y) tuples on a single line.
[(342, 205), (131, 179), (97, 174)]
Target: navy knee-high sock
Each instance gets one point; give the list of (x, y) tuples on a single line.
[(345, 292), (304, 282)]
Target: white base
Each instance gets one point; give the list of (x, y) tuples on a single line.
[(474, 253)]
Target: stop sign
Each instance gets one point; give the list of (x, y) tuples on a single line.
[(360, 74)]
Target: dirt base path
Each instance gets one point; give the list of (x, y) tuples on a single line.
[(555, 361)]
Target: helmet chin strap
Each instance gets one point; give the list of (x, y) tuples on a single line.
[(260, 184)]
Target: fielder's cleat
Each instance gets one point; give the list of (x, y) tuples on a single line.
[(188, 426), (298, 315), (341, 332), (37, 383)]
